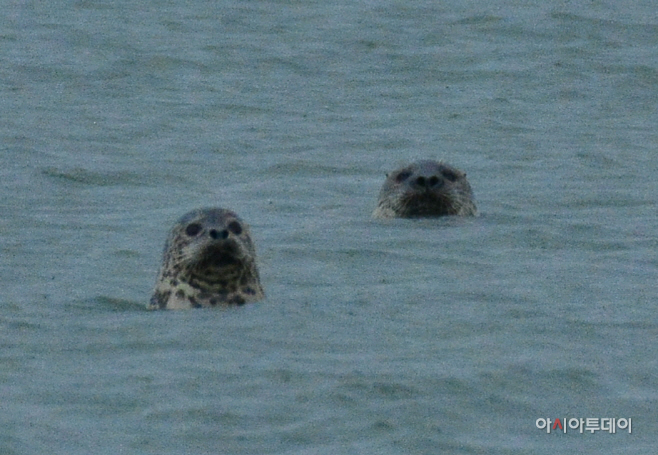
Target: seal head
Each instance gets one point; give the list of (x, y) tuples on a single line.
[(425, 189), (209, 260)]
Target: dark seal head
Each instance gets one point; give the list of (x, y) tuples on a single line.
[(209, 260), (425, 189)]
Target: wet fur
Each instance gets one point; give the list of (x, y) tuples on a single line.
[(425, 189), (208, 260)]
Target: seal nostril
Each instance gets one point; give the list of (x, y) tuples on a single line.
[(434, 180), (218, 234), (420, 181)]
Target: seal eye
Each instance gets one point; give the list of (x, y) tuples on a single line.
[(193, 229), (402, 176), (235, 227), (449, 175)]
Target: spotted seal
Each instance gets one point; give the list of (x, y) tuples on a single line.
[(209, 260), (425, 188)]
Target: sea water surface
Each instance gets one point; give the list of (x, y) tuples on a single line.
[(376, 337)]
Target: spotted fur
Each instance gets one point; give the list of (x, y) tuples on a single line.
[(209, 260)]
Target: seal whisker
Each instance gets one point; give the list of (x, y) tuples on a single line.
[(209, 259), (425, 189)]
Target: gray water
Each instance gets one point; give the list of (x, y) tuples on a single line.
[(376, 337)]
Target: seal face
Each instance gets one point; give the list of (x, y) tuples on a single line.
[(425, 189), (209, 260)]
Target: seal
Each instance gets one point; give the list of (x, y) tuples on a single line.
[(209, 260), (425, 188)]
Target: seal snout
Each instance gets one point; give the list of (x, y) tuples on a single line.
[(214, 234), (428, 182), (222, 254)]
